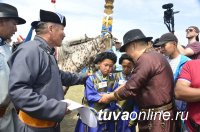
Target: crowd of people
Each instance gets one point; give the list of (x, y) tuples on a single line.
[(140, 76)]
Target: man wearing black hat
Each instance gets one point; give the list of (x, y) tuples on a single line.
[(8, 20), (115, 49), (36, 86), (150, 86), (192, 50)]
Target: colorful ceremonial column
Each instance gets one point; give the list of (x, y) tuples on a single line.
[(108, 19)]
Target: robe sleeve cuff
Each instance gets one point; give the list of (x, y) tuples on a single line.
[(117, 96)]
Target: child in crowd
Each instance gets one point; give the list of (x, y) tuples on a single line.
[(127, 105), (102, 81)]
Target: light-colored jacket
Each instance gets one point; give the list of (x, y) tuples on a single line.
[(5, 52), (118, 54), (6, 122), (183, 60), (181, 105)]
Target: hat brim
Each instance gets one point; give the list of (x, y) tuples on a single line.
[(122, 49), (34, 24), (161, 43), (19, 20)]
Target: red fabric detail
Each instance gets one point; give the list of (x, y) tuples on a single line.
[(191, 72), (196, 49), (53, 1)]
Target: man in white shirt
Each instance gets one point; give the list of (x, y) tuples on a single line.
[(115, 49), (168, 43)]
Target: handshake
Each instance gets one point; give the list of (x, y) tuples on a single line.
[(107, 98)]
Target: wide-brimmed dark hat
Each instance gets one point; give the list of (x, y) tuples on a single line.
[(134, 35), (48, 16), (8, 11), (165, 38)]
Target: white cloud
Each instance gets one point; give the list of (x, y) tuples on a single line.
[(86, 16)]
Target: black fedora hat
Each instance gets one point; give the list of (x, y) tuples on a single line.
[(134, 35), (48, 16), (9, 11)]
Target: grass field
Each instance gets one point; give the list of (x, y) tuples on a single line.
[(74, 93)]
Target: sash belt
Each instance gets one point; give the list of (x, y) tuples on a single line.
[(163, 108), (34, 122)]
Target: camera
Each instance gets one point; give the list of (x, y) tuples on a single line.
[(167, 6), (168, 14)]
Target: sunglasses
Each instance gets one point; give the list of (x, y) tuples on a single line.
[(189, 30)]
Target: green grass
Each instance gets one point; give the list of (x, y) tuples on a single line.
[(74, 93)]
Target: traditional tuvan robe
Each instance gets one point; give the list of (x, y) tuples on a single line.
[(96, 85), (151, 86), (35, 85)]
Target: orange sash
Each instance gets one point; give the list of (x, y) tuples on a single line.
[(33, 122)]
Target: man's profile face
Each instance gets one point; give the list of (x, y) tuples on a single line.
[(129, 49), (58, 34), (168, 48), (9, 27), (191, 32), (118, 45)]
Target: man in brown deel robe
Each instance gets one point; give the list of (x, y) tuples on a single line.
[(151, 85)]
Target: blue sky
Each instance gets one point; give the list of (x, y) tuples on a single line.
[(85, 16)]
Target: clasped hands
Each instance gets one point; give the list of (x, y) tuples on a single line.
[(107, 98)]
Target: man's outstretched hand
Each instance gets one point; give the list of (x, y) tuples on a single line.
[(107, 98)]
